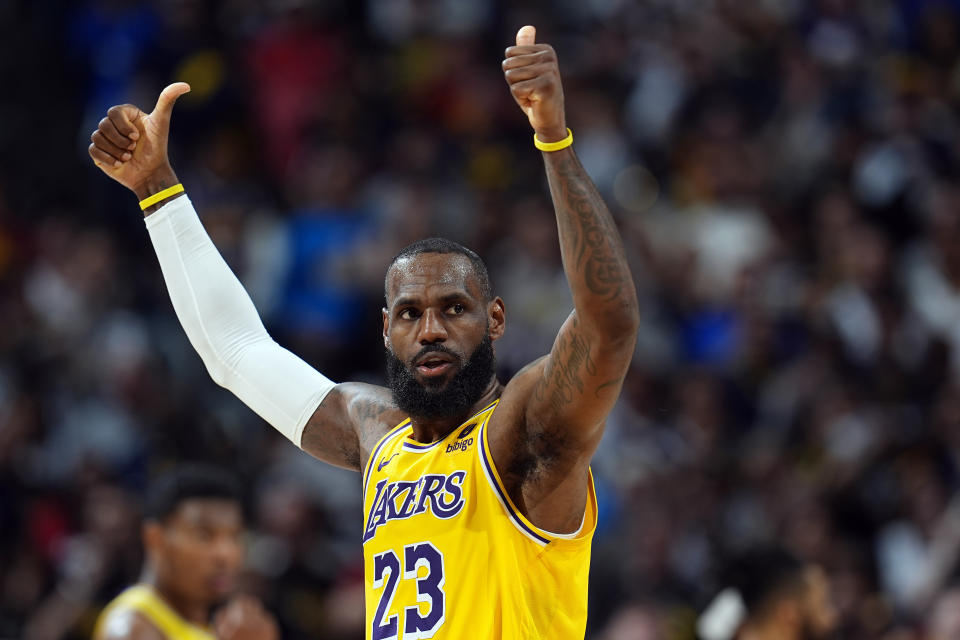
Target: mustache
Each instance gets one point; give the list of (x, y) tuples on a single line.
[(446, 400), (435, 348)]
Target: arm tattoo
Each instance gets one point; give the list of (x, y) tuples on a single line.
[(589, 238), (609, 383), (563, 381), (370, 415)]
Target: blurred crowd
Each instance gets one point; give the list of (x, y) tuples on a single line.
[(785, 175)]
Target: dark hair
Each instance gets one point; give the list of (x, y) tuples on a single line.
[(186, 482), (442, 245), (764, 575)]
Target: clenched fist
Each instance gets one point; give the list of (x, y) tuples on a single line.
[(130, 145), (244, 618), (533, 74)]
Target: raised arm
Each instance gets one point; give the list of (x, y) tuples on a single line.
[(217, 315), (567, 395)]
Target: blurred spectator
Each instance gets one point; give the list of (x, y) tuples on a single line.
[(771, 596)]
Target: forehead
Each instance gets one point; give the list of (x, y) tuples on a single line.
[(209, 512), (426, 273)]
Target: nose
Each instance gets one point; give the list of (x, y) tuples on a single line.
[(431, 328), (226, 551)]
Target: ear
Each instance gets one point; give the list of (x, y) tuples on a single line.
[(497, 317), (152, 534), (789, 614), (386, 327)]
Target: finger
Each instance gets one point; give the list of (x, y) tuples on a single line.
[(527, 73), (225, 624), (108, 147), (511, 52), (526, 89), (533, 57), (242, 607), (225, 629), (124, 118), (167, 99), (526, 35), (254, 606), (108, 129), (101, 158)]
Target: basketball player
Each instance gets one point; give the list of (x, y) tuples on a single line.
[(772, 596), (478, 498), (192, 538)]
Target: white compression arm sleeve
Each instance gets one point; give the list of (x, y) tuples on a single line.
[(223, 325)]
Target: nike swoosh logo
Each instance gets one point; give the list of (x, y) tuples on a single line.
[(384, 463)]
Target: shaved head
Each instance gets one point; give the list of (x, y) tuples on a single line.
[(442, 245)]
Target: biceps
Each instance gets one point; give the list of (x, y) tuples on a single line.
[(329, 435), (348, 423), (581, 379)]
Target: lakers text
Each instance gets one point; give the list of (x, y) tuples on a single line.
[(438, 494)]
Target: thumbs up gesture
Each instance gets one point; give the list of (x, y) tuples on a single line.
[(130, 145), (533, 74)]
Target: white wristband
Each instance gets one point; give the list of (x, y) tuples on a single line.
[(723, 616), (223, 326)]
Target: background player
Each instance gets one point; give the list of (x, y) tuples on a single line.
[(438, 328), (771, 596), (192, 536)]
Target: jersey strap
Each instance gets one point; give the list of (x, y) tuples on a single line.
[(144, 600)]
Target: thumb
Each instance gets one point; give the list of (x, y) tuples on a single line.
[(167, 99), (526, 35)]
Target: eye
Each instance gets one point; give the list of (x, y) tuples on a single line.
[(409, 314), (457, 309)]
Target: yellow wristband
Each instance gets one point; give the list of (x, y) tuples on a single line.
[(161, 195), (553, 146)]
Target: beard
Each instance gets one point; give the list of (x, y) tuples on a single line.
[(440, 399)]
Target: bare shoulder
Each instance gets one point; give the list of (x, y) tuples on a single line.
[(373, 410), (127, 624), (348, 423)]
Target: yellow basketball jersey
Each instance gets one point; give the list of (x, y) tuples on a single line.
[(144, 600), (447, 555)]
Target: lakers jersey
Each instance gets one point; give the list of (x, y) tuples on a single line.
[(447, 555), (145, 601)]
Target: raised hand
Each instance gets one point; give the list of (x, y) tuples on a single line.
[(130, 145), (533, 74)]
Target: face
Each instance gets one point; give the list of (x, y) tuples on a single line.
[(197, 551), (438, 331)]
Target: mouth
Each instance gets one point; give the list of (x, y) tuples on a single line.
[(434, 364), (220, 582)]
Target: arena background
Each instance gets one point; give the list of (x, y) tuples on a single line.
[(785, 177)]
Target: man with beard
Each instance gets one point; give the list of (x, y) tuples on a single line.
[(478, 497), (191, 534), (771, 595)]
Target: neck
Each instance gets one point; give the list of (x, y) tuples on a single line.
[(191, 611), (431, 430)]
